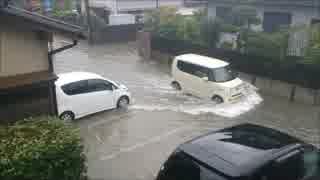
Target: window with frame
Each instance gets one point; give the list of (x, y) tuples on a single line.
[(193, 69), (95, 85), (201, 72), (224, 13), (272, 21), (75, 88), (185, 67)]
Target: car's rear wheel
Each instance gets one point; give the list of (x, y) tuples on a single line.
[(123, 102), (217, 99), (67, 116), (176, 85)]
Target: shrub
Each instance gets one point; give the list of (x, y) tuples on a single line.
[(41, 149), (270, 45), (227, 45), (168, 23), (163, 21), (229, 28), (312, 53)]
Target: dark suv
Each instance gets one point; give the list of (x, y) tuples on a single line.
[(243, 152)]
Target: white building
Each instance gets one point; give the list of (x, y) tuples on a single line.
[(273, 14)]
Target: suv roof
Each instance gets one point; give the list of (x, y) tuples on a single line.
[(239, 150), (70, 77), (202, 60)]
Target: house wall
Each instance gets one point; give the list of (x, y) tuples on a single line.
[(300, 15), (0, 51), (25, 101), (22, 52)]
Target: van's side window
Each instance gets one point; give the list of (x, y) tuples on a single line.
[(185, 67), (201, 72), (193, 69)]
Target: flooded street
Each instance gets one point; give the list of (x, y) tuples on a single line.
[(132, 144)]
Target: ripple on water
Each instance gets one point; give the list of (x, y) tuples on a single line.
[(196, 107)]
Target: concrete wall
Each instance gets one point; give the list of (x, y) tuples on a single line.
[(25, 101), (22, 52), (286, 90), (119, 33)]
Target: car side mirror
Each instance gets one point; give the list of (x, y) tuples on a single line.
[(205, 78)]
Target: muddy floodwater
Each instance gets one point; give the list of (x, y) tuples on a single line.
[(132, 144)]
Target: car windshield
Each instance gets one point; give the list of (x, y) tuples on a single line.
[(223, 74)]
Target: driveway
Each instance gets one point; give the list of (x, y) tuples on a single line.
[(132, 144)]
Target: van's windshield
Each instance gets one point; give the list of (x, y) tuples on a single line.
[(223, 74)]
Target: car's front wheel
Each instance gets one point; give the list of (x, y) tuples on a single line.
[(67, 116), (123, 102)]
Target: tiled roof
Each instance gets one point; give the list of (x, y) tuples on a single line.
[(42, 22)]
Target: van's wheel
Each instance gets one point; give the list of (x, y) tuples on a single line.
[(176, 85), (123, 102), (67, 116), (217, 99)]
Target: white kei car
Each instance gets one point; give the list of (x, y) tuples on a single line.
[(82, 93), (207, 78)]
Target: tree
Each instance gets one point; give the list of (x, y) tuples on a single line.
[(270, 45), (210, 32), (163, 21)]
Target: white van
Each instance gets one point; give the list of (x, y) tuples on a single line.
[(207, 77)]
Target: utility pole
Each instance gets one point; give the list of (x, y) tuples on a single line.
[(90, 38), (116, 8), (208, 26)]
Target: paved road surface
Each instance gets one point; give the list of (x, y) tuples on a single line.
[(132, 144)]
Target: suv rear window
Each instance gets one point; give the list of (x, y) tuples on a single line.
[(181, 167)]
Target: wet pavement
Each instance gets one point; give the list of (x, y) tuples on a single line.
[(132, 144)]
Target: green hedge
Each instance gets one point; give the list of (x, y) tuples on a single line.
[(43, 148)]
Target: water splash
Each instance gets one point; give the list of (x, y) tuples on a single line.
[(227, 110)]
